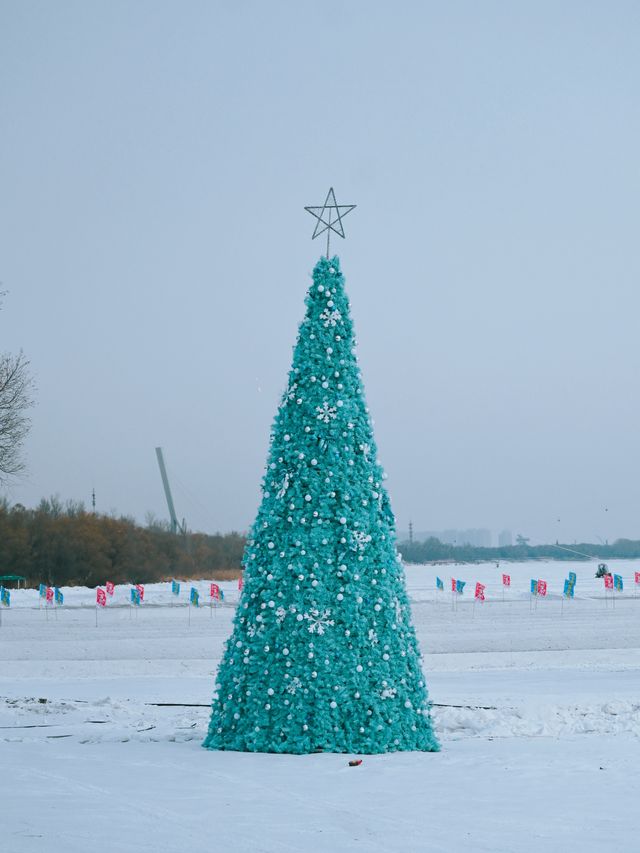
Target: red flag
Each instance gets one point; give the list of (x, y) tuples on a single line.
[(637, 574), (506, 580), (240, 583), (215, 591), (49, 593), (101, 597), (608, 581), (542, 587), (140, 588), (453, 585), (110, 588), (480, 591)]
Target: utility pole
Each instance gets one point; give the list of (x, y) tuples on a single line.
[(410, 533), (93, 500)]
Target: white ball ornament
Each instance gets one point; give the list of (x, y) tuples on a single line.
[(333, 704)]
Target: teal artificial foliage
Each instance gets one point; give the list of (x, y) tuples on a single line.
[(323, 655)]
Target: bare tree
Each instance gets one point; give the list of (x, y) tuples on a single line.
[(16, 388)]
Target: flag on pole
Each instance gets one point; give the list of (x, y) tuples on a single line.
[(506, 580), (460, 587), (618, 582), (573, 577), (43, 590), (140, 588), (59, 596), (608, 581), (568, 588), (135, 596), (5, 596), (215, 591), (175, 587), (534, 586), (101, 597), (194, 597), (542, 587), (49, 594), (240, 582), (637, 577), (453, 584), (439, 584), (110, 587), (480, 591)]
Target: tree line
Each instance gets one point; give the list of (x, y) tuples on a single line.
[(433, 550), (64, 545)]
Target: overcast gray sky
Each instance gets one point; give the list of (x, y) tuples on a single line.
[(155, 159)]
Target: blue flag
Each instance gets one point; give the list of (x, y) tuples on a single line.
[(439, 583), (43, 590), (195, 596), (618, 582), (460, 587), (175, 587), (572, 577), (6, 597), (534, 587), (135, 597), (569, 587), (59, 596)]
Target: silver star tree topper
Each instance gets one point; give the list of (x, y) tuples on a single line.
[(327, 221)]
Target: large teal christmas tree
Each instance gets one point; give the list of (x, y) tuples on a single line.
[(323, 655)]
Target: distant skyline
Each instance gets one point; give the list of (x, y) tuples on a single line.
[(155, 161)]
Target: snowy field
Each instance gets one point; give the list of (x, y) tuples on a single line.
[(536, 703)]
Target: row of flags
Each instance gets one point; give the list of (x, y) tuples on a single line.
[(54, 594), (51, 594), (537, 586), (136, 594)]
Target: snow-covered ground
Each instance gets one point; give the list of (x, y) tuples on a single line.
[(536, 702)]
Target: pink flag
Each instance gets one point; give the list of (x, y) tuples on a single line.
[(480, 591), (215, 591), (637, 576), (506, 580), (542, 587), (101, 597), (140, 588), (608, 581), (240, 583), (49, 593), (110, 588), (453, 584)]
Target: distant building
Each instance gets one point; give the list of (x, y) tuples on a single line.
[(476, 537), (505, 539)]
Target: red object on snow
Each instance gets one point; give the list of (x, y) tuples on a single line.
[(542, 587), (110, 588), (101, 597), (240, 583), (140, 588), (637, 576), (49, 593), (356, 762), (215, 591), (453, 585), (608, 581), (480, 591), (506, 580)]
